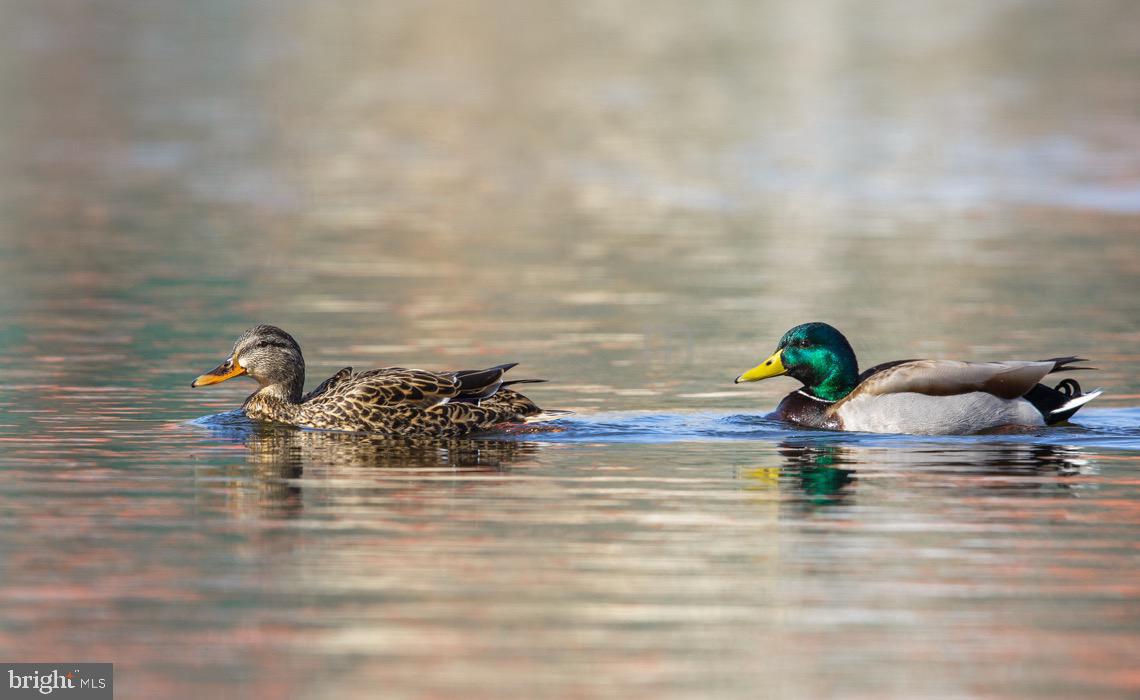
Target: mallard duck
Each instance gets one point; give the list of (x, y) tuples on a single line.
[(393, 400), (931, 397)]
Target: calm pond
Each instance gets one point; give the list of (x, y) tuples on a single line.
[(633, 200)]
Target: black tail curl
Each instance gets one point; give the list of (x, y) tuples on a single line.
[(1047, 400)]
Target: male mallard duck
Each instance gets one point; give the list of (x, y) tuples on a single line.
[(393, 400), (932, 397)]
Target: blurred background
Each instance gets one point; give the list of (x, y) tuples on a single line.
[(626, 197), (634, 200)]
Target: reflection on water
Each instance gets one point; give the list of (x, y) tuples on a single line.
[(818, 470), (827, 473), (282, 451), (279, 461), (632, 200), (512, 566)]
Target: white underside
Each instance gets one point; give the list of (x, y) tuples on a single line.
[(920, 414), (549, 414)]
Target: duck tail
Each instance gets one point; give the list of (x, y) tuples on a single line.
[(516, 408), (1061, 364), (1067, 409), (547, 414), (1061, 402), (523, 381), (476, 384)]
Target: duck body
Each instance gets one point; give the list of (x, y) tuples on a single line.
[(392, 400), (931, 397)]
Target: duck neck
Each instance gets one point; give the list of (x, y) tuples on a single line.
[(285, 388), (266, 404), (287, 392), (838, 380)]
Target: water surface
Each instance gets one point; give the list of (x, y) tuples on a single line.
[(633, 200)]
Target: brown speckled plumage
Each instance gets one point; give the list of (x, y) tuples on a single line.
[(393, 400)]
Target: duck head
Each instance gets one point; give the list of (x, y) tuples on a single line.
[(270, 356), (815, 353)]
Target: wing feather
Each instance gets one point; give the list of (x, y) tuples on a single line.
[(328, 384), (402, 388), (1007, 380), (393, 387)]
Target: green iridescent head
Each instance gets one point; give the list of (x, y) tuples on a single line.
[(816, 354)]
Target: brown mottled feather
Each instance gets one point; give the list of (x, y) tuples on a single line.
[(328, 384), (392, 401), (396, 401)]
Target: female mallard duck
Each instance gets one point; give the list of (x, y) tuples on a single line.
[(931, 397), (393, 400)]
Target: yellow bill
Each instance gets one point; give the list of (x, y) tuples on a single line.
[(772, 367), (224, 371)]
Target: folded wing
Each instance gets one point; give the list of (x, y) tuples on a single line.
[(328, 384), (409, 388), (1007, 380)]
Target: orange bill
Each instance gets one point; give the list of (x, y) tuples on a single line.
[(227, 370)]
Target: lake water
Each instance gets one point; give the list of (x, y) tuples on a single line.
[(633, 200)]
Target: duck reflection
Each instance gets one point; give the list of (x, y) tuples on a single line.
[(280, 461), (287, 452), (825, 473), (818, 470), (815, 472)]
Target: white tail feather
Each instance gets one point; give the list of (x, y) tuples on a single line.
[(1077, 402), (547, 415)]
